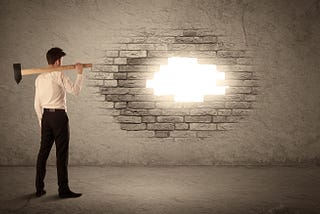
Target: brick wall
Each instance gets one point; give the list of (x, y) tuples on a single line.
[(131, 59)]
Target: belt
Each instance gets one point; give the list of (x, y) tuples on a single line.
[(53, 110)]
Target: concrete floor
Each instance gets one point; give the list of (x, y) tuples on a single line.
[(196, 189)]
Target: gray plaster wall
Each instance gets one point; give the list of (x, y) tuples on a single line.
[(284, 127)]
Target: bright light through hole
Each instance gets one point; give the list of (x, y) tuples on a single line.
[(187, 80)]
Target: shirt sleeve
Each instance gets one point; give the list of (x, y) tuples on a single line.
[(37, 105), (72, 88)]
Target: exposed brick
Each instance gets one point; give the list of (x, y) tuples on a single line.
[(217, 61), (161, 134), (169, 111), (196, 54), (129, 119), (132, 83), (100, 75), (108, 61), (224, 112), (147, 61), (238, 105), (160, 126), (133, 127), (167, 119), (206, 134), (95, 82), (120, 76), (249, 97), (181, 126), (133, 68), (158, 47), (235, 54), (115, 91), (120, 61), (239, 90), (119, 105), (149, 119), (208, 111), (196, 119), (130, 54), (203, 126), (140, 75), (190, 32), (234, 119), (183, 134), (226, 68), (145, 105), (134, 112), (105, 68), (241, 111), (238, 75), (141, 91), (110, 83), (225, 126), (182, 47), (196, 39), (245, 61), (208, 47)]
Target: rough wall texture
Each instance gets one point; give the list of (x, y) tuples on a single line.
[(280, 38)]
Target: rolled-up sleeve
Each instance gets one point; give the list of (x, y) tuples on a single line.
[(72, 88)]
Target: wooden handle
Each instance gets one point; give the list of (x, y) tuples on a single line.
[(50, 69)]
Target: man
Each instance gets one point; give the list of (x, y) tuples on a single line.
[(50, 106)]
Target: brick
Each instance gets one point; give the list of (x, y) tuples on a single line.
[(116, 47), (105, 68), (209, 47), (120, 76), (234, 119), (129, 119), (140, 75), (196, 39), (217, 61), (95, 82), (160, 126), (145, 105), (249, 97), (115, 91), (181, 126), (183, 134), (182, 47), (110, 83), (134, 112), (132, 83), (226, 68), (108, 61), (147, 61), (190, 33), (120, 105), (99, 75), (196, 119), (208, 111), (161, 134), (224, 112), (165, 98), (241, 83), (239, 90), (141, 91), (238, 105), (120, 61), (225, 126), (167, 119), (238, 75), (133, 68), (130, 54), (243, 112), (169, 111), (150, 40), (112, 53), (235, 54), (159, 47), (203, 126), (245, 61), (148, 119), (133, 127), (142, 134)]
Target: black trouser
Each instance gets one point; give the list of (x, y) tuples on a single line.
[(54, 128)]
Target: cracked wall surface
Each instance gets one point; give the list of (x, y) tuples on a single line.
[(283, 127)]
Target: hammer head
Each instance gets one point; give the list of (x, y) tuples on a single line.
[(17, 72)]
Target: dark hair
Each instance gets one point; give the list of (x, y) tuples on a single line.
[(54, 54)]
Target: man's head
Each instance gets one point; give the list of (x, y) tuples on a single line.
[(54, 56)]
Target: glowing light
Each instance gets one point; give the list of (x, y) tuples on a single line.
[(187, 80)]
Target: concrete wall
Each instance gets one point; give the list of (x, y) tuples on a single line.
[(283, 126)]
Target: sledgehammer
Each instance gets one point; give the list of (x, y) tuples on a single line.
[(18, 72)]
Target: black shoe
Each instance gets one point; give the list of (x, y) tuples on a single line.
[(40, 193), (69, 194)]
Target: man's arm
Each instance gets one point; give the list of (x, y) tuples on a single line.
[(73, 88), (37, 105)]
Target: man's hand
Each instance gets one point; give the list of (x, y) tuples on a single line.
[(79, 68)]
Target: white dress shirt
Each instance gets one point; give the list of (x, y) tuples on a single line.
[(50, 91)]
